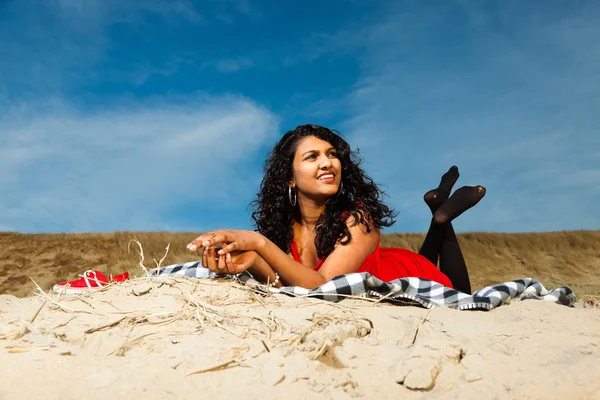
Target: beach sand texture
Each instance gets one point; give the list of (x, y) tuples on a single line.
[(176, 338), (183, 338)]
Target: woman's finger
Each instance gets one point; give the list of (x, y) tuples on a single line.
[(208, 240), (205, 259), (222, 265), (202, 237), (228, 249), (192, 246), (210, 255), (216, 239), (197, 243)]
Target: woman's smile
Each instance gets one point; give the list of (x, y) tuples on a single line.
[(327, 177)]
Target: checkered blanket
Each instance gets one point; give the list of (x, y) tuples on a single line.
[(406, 291)]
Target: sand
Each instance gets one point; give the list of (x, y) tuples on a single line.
[(183, 338)]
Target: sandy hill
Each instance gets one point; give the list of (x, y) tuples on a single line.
[(556, 258)]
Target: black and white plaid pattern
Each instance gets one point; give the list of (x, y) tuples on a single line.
[(192, 269), (412, 291)]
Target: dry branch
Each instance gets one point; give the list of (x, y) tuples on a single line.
[(141, 253), (101, 327), (419, 326), (37, 312), (214, 368)]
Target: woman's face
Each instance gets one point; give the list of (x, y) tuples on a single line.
[(317, 169)]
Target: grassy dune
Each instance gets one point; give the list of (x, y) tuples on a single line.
[(556, 258)]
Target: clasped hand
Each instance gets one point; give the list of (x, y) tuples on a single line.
[(237, 254)]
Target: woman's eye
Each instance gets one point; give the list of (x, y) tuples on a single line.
[(333, 153), (309, 157)]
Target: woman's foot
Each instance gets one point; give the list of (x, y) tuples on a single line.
[(462, 199), (436, 197)]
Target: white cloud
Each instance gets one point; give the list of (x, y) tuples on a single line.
[(123, 168), (511, 100), (95, 163)]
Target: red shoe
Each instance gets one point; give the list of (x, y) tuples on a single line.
[(119, 278), (90, 280)]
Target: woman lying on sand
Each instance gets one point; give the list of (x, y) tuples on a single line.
[(318, 215)]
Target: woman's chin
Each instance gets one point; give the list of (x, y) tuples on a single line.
[(322, 195)]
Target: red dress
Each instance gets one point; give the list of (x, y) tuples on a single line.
[(388, 264)]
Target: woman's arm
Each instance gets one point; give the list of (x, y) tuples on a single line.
[(289, 271), (238, 262), (343, 259), (263, 272)]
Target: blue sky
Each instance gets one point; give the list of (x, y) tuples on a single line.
[(157, 115)]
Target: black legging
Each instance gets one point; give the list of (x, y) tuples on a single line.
[(442, 241)]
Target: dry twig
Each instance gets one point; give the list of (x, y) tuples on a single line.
[(37, 312), (101, 327), (158, 264), (419, 326), (141, 253), (27, 349), (215, 367)]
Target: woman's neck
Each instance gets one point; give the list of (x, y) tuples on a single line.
[(310, 211)]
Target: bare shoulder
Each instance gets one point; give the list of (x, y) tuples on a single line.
[(363, 223), (361, 230)]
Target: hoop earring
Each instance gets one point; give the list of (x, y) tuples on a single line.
[(341, 189), (294, 201)]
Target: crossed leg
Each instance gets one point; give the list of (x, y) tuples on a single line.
[(441, 240)]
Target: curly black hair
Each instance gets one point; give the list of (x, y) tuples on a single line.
[(274, 216)]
